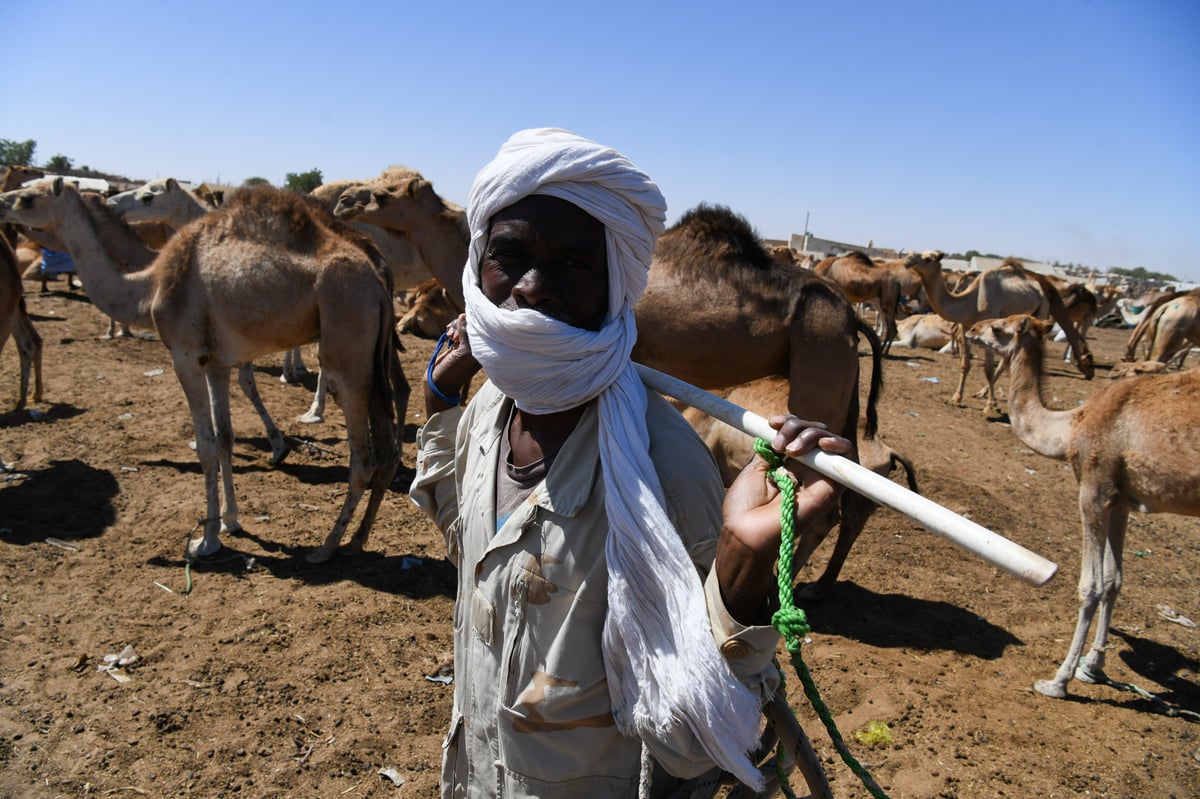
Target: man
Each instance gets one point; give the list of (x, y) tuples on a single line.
[(611, 621)]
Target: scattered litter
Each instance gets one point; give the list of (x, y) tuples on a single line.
[(129, 468), (36, 415), (913, 413), (876, 734), (444, 679), (263, 518), (1030, 471), (1141, 553), (929, 380), (163, 587), (409, 562), (393, 774), (913, 364), (99, 377), (125, 416), (1170, 614), (113, 664), (55, 542), (153, 372)]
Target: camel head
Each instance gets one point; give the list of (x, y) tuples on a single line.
[(1006, 336), (925, 263), (146, 203), (429, 311), (400, 206), (34, 206)]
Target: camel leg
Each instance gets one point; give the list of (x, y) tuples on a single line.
[(1093, 664), (353, 402), (294, 370), (964, 364), (1091, 582), (991, 374), (218, 397), (385, 443), (856, 510), (316, 412), (195, 388), (279, 446)]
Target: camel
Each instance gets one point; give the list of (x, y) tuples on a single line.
[(126, 249), (403, 201), (733, 449), (427, 310), (717, 312), (864, 281), (1124, 456), (1085, 305), (1171, 327), (927, 331), (15, 322), (257, 276), (994, 294)]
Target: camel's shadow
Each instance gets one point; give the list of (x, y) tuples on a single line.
[(411, 576), (68, 500), (15, 418), (896, 620)]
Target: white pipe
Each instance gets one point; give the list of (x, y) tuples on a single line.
[(995, 549)]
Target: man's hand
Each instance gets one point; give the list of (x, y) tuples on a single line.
[(749, 542), (453, 367)]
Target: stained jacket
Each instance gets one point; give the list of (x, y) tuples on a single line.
[(532, 714)]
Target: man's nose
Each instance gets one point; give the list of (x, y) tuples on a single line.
[(533, 289)]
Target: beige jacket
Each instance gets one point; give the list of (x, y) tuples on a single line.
[(532, 713)]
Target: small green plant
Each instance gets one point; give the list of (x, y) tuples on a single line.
[(877, 733)]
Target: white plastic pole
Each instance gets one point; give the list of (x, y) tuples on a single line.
[(995, 549)]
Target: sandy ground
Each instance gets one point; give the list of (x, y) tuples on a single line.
[(264, 676)]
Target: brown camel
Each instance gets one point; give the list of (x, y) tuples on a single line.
[(717, 312), (1124, 456), (267, 272), (427, 310), (733, 449), (1171, 327), (865, 281), (15, 322), (994, 294), (14, 176)]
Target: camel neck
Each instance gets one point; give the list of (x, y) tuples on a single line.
[(1042, 429)]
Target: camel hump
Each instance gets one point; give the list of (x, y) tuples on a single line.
[(283, 217), (720, 233)]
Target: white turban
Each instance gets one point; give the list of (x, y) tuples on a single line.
[(662, 663)]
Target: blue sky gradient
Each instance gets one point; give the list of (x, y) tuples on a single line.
[(1059, 130)]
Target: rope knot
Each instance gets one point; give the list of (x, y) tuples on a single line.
[(792, 624)]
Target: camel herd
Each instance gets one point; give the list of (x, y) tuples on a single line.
[(268, 271)]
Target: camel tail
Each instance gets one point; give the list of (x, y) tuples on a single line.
[(876, 386), (910, 474)]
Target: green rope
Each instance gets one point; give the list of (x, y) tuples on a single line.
[(791, 621)]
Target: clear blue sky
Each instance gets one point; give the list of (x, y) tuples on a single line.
[(1053, 130)]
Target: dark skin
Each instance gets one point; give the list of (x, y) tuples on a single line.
[(548, 254)]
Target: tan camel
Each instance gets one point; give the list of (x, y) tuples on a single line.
[(733, 449), (996, 293), (866, 282), (402, 201), (1171, 327), (15, 322), (925, 330), (1124, 457), (259, 275)]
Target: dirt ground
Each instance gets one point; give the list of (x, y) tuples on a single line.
[(263, 676)]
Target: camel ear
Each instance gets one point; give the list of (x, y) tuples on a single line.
[(172, 185), (1024, 326)]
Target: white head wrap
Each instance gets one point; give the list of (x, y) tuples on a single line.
[(662, 663)]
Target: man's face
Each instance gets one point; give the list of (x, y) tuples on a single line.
[(549, 255)]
